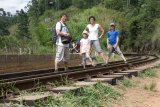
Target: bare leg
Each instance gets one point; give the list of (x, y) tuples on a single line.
[(84, 60), (108, 57), (65, 65), (90, 59), (105, 58), (56, 66), (122, 56)]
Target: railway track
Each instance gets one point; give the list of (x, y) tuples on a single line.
[(75, 73), (32, 79)]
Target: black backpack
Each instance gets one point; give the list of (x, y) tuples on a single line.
[(54, 33), (65, 39)]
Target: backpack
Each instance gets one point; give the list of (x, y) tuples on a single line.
[(64, 39), (54, 33)]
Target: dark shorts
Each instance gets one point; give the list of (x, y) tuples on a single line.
[(117, 51)]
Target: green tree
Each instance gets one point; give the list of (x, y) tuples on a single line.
[(83, 4), (34, 11), (22, 21), (4, 23), (3, 26)]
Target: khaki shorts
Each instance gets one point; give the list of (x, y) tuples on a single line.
[(62, 53)]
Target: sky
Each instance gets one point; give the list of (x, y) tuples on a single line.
[(13, 5)]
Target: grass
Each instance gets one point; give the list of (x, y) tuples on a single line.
[(33, 92), (7, 88), (63, 81), (126, 82), (92, 96), (150, 87), (12, 105), (147, 73)]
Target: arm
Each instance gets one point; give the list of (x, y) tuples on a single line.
[(75, 46), (107, 43), (89, 47), (86, 29), (107, 40), (80, 48), (61, 33), (102, 31), (58, 27), (117, 40)]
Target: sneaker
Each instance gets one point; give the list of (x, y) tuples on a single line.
[(93, 65), (66, 69), (84, 66), (125, 62), (104, 64), (56, 71)]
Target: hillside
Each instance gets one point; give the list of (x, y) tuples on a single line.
[(138, 23)]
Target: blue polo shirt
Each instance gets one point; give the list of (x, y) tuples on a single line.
[(112, 36)]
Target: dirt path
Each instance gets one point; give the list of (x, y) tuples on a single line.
[(138, 96)]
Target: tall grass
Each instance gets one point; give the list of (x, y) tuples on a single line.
[(151, 86), (147, 73), (92, 96), (126, 82)]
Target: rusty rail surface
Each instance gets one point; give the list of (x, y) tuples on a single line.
[(27, 80)]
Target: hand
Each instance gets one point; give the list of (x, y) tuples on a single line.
[(115, 46), (88, 53), (108, 46), (80, 53), (99, 36), (67, 34)]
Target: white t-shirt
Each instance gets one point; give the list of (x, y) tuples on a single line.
[(85, 44), (64, 30), (93, 31)]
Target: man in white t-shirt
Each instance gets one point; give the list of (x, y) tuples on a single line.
[(62, 50)]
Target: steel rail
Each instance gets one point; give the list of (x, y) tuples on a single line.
[(8, 78), (80, 74)]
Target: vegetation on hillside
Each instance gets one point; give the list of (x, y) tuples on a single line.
[(137, 20)]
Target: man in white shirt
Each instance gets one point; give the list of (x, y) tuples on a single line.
[(62, 50)]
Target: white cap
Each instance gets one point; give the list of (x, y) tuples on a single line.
[(85, 32), (112, 24)]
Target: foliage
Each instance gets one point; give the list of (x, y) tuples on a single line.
[(22, 24), (3, 26), (137, 21), (5, 21), (84, 4), (148, 73), (126, 82), (85, 97), (151, 86), (44, 35)]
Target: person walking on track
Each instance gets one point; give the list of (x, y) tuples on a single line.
[(93, 29), (85, 49), (112, 42), (62, 50)]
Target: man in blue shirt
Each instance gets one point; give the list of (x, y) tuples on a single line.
[(112, 42)]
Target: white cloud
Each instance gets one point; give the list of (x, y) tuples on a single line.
[(13, 5)]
